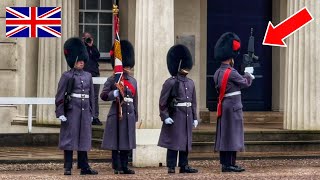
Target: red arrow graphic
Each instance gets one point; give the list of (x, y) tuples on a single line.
[(274, 36)]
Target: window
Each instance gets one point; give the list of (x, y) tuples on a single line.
[(95, 17)]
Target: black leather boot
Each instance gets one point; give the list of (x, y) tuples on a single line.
[(231, 168), (188, 169), (88, 171), (128, 171), (117, 170), (171, 170), (239, 167), (67, 171), (124, 162)]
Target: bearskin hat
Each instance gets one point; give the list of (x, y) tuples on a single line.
[(74, 49), (127, 53), (176, 54), (228, 46)]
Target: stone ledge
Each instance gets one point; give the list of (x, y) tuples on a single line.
[(35, 124), (41, 139)]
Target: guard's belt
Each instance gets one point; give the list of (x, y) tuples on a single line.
[(127, 99), (232, 94), (79, 95), (185, 104)]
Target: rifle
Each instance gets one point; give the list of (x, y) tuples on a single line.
[(250, 59), (67, 94), (172, 101)]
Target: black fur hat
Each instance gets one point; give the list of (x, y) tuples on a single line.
[(176, 54), (127, 53), (228, 46), (74, 49)]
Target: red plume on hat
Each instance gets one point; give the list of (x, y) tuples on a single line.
[(228, 46)]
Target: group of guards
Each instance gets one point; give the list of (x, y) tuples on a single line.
[(177, 106)]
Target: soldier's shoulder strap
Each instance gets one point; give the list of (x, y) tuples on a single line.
[(222, 91)]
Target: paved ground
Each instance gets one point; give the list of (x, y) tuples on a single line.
[(299, 169), (24, 155)]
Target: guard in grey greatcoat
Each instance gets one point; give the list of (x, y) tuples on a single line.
[(178, 110), (230, 133), (74, 107), (120, 135)]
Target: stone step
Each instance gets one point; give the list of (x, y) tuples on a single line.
[(260, 138), (257, 155), (267, 135), (274, 135), (265, 146), (205, 116), (33, 139), (309, 143), (249, 117), (97, 133), (254, 146), (96, 142)]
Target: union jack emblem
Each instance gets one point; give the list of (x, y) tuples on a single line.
[(118, 69), (33, 22)]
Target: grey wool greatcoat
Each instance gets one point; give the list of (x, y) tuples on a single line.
[(178, 136), (76, 132), (127, 126), (230, 133)]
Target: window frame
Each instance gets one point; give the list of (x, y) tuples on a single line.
[(103, 55)]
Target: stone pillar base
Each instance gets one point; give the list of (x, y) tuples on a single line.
[(147, 153)]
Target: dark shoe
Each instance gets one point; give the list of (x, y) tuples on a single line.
[(128, 171), (188, 169), (117, 172), (88, 171), (96, 121), (171, 170), (67, 171), (230, 169), (239, 167)]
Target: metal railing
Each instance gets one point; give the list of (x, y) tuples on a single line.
[(5, 101)]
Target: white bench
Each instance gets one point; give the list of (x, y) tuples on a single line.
[(36, 100), (99, 80), (26, 100)]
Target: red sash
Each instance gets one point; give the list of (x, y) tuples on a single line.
[(130, 86), (223, 90)]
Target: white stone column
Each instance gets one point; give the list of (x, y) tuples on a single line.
[(24, 51), (302, 87), (154, 35), (51, 61)]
